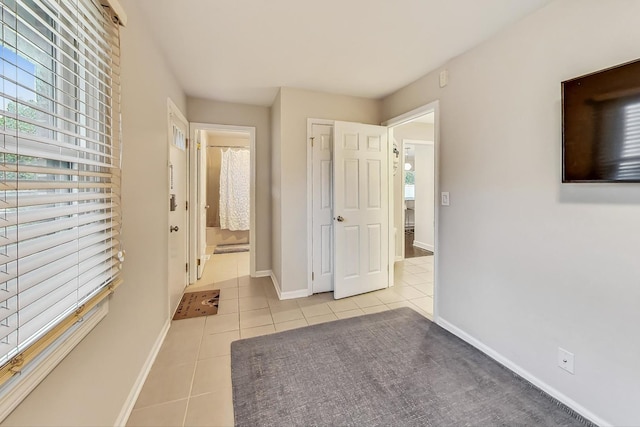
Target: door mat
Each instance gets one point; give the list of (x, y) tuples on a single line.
[(229, 249), (195, 304)]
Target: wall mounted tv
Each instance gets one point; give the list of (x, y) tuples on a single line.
[(601, 126)]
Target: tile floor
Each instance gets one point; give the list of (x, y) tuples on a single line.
[(190, 381)]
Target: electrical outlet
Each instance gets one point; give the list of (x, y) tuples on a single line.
[(444, 198), (565, 360)]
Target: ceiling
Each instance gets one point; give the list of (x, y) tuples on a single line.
[(244, 50)]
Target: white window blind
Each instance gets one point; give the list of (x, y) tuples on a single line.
[(59, 164)]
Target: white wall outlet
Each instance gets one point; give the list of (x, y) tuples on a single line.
[(444, 198), (565, 360)]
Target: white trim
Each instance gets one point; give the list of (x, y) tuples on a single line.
[(251, 130), (263, 273), (406, 117), (417, 141), (130, 402), (300, 293), (276, 284), (310, 123), (424, 246), (21, 385), (174, 115), (413, 114), (522, 372)]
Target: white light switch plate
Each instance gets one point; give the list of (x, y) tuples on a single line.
[(444, 198)]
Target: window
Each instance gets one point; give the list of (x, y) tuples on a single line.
[(59, 169)]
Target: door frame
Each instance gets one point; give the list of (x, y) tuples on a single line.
[(310, 123), (396, 121), (175, 115), (390, 219), (193, 196)]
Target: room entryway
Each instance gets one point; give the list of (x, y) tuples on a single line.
[(224, 193), (414, 138)]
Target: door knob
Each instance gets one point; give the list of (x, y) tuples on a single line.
[(340, 219), (173, 228)]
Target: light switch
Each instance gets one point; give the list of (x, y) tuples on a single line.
[(444, 198)]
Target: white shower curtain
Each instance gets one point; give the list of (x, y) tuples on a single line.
[(234, 190)]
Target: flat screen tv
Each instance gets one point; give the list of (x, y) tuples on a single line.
[(601, 126)]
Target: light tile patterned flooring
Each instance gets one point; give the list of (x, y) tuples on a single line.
[(190, 381)]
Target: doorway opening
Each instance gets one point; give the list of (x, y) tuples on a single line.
[(223, 192), (414, 137)]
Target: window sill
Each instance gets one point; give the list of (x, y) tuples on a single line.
[(19, 387)]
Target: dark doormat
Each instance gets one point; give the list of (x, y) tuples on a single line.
[(229, 249), (195, 304)]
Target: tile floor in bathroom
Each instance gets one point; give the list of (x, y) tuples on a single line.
[(190, 381)]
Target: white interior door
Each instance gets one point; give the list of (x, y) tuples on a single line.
[(201, 179), (177, 204), (322, 184), (361, 208)]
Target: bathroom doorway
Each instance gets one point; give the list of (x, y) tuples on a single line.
[(224, 191)]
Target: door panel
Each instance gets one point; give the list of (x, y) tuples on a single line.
[(360, 209), (178, 256), (322, 223)]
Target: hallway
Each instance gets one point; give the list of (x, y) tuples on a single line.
[(190, 381)]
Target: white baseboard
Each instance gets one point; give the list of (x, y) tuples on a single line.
[(301, 293), (398, 258), (121, 421), (522, 372), (263, 273), (422, 245)]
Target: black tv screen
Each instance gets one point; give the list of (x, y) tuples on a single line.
[(601, 126)]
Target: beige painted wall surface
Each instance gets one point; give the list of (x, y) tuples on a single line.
[(276, 184), (296, 107), (527, 264), (225, 113), (91, 384)]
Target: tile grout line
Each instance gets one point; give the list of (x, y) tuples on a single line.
[(193, 375)]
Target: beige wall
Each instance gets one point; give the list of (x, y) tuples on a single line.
[(527, 264), (225, 113), (296, 106), (91, 384)]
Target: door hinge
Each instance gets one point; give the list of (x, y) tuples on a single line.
[(199, 261), (186, 267), (312, 138), (186, 205), (313, 276)]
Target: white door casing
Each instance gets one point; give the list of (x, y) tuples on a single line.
[(361, 208), (201, 202), (322, 222), (177, 206)]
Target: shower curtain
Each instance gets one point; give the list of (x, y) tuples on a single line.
[(234, 190)]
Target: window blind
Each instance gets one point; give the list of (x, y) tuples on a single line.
[(59, 165)]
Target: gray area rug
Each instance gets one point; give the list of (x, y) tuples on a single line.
[(394, 368), (229, 249)]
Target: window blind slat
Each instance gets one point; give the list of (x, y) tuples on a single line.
[(59, 163)]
